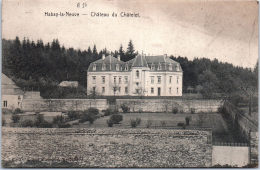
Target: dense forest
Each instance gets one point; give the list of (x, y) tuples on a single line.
[(38, 66)]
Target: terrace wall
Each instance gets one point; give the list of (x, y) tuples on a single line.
[(57, 105), (166, 105), (108, 147)]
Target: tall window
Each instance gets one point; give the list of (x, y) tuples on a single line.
[(152, 79), (119, 89), (5, 103), (126, 67), (152, 90), (94, 89), (170, 67), (170, 90), (137, 74), (126, 79), (126, 90), (94, 79), (170, 79), (103, 66), (103, 79), (177, 90), (159, 79), (177, 79), (119, 81), (103, 89), (94, 67), (114, 79)]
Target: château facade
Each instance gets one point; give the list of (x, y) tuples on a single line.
[(141, 76)]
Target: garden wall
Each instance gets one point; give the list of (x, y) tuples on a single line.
[(56, 105), (107, 147), (166, 105), (230, 155)]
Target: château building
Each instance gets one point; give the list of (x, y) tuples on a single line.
[(141, 76)]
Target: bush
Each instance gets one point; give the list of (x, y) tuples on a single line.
[(192, 110), (175, 110), (45, 124), (148, 123), (41, 123), (180, 124), (187, 119), (58, 119), (3, 122), (64, 125), (27, 123), (93, 111), (163, 123), (15, 118), (108, 112), (17, 111), (110, 123), (125, 108), (72, 115), (116, 118), (135, 123)]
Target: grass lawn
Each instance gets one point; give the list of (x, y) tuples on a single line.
[(210, 120)]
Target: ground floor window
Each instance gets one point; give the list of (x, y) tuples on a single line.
[(5, 103), (103, 89), (126, 90), (152, 90)]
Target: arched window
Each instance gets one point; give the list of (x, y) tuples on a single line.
[(137, 74)]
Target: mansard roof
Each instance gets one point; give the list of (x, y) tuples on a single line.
[(111, 63)]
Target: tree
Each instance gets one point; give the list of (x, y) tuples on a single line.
[(208, 81), (130, 53)]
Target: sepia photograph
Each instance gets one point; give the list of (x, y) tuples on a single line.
[(129, 84)]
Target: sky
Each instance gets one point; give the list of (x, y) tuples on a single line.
[(224, 29)]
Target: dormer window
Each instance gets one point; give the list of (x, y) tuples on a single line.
[(94, 67), (177, 68), (170, 67), (159, 66), (117, 67), (152, 67), (103, 66)]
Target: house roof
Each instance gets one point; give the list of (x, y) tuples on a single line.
[(9, 87), (155, 63)]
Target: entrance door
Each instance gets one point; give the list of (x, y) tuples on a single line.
[(159, 91)]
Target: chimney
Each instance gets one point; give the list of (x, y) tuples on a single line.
[(103, 56), (118, 57)]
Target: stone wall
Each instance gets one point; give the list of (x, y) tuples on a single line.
[(108, 147), (56, 105), (230, 155), (166, 105), (254, 147)]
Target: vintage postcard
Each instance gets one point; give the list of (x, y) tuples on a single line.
[(129, 84)]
